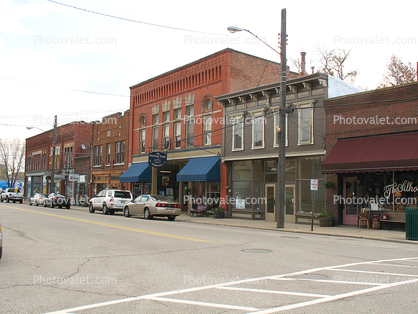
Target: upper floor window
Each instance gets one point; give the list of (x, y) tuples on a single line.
[(177, 134), (120, 152), (166, 116), (155, 119), (166, 135), (108, 154), (177, 114), (257, 130), (155, 138), (238, 133), (98, 155), (142, 121), (189, 126), (142, 141), (207, 130), (305, 124)]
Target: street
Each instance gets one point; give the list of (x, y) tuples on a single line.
[(71, 261)]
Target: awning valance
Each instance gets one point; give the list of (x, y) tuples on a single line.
[(201, 169), (140, 172), (391, 152)]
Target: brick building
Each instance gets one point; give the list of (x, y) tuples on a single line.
[(38, 159), (176, 113), (109, 144), (372, 155)]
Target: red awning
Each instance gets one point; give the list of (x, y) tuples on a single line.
[(392, 152)]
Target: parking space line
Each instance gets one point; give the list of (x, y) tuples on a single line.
[(310, 295), (372, 272), (348, 282), (113, 226)]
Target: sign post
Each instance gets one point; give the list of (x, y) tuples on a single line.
[(314, 187)]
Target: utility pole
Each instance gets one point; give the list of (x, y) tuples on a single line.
[(54, 144), (281, 184)]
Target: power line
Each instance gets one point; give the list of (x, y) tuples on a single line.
[(131, 20)]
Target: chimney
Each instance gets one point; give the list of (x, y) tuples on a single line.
[(302, 63)]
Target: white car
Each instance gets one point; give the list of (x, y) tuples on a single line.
[(110, 201), (38, 200)]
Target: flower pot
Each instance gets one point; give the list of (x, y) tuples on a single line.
[(325, 221)]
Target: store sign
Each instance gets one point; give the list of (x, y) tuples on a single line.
[(240, 203), (157, 159), (74, 177), (314, 185), (406, 186)]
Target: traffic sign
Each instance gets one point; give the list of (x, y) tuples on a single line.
[(314, 184)]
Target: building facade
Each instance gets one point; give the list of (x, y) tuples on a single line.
[(251, 141), (109, 140), (70, 139), (177, 113), (372, 156)]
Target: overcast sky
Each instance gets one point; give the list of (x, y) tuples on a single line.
[(50, 53)]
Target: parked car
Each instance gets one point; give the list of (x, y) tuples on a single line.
[(110, 201), (56, 199), (149, 206), (38, 199), (10, 194), (1, 242)]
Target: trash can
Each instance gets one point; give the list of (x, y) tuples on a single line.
[(411, 223)]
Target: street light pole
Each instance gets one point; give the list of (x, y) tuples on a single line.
[(281, 169), (54, 143)]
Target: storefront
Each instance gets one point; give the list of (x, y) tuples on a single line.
[(253, 185), (376, 173)]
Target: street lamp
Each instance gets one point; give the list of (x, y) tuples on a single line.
[(281, 187)]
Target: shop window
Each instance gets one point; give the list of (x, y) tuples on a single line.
[(238, 133), (310, 167), (241, 170)]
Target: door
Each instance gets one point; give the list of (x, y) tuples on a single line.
[(270, 208), (350, 212), (290, 203), (134, 207)]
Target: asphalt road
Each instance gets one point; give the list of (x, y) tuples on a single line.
[(72, 261)]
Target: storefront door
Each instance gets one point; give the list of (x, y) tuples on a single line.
[(270, 208), (350, 214), (290, 203)]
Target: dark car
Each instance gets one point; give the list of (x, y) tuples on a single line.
[(56, 199)]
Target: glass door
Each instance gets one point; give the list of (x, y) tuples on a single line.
[(270, 208), (350, 212), (290, 203)]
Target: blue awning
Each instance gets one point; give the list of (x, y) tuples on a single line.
[(201, 169), (141, 172)]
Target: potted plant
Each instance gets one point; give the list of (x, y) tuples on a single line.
[(325, 219), (218, 212), (329, 184)]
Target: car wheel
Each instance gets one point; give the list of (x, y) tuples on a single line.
[(171, 218), (34, 203), (147, 214), (21, 201), (105, 209), (68, 206), (1, 200), (91, 209), (14, 202), (7, 200), (45, 204), (126, 211), (51, 204), (60, 206)]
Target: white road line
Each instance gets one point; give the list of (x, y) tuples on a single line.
[(398, 265), (331, 298), (216, 305), (373, 272), (310, 295), (348, 282)]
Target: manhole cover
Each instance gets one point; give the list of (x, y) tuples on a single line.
[(256, 251)]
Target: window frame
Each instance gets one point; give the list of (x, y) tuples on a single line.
[(256, 116), (309, 124)]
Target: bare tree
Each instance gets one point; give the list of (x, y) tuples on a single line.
[(398, 73), (12, 154), (333, 62)]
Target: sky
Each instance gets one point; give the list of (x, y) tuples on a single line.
[(57, 60)]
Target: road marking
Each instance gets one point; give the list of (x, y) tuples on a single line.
[(311, 295), (114, 226), (162, 296)]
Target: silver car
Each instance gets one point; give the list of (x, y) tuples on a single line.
[(38, 199), (149, 206)]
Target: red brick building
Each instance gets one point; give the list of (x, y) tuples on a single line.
[(38, 161), (372, 154), (176, 113), (109, 144)]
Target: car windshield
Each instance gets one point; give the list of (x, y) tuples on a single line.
[(122, 194), (160, 198)]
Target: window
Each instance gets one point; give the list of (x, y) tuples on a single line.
[(177, 134), (108, 154), (155, 119), (277, 134), (258, 130), (120, 152), (305, 130), (166, 134), (155, 138), (189, 126), (142, 141), (207, 128), (207, 104), (177, 114), (142, 121), (98, 155), (166, 116), (238, 135)]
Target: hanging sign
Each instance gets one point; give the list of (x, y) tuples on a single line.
[(157, 159)]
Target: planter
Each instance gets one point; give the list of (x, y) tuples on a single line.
[(325, 221)]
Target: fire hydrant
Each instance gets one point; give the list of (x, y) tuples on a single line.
[(376, 222)]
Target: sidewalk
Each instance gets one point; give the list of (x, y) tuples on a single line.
[(340, 231)]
